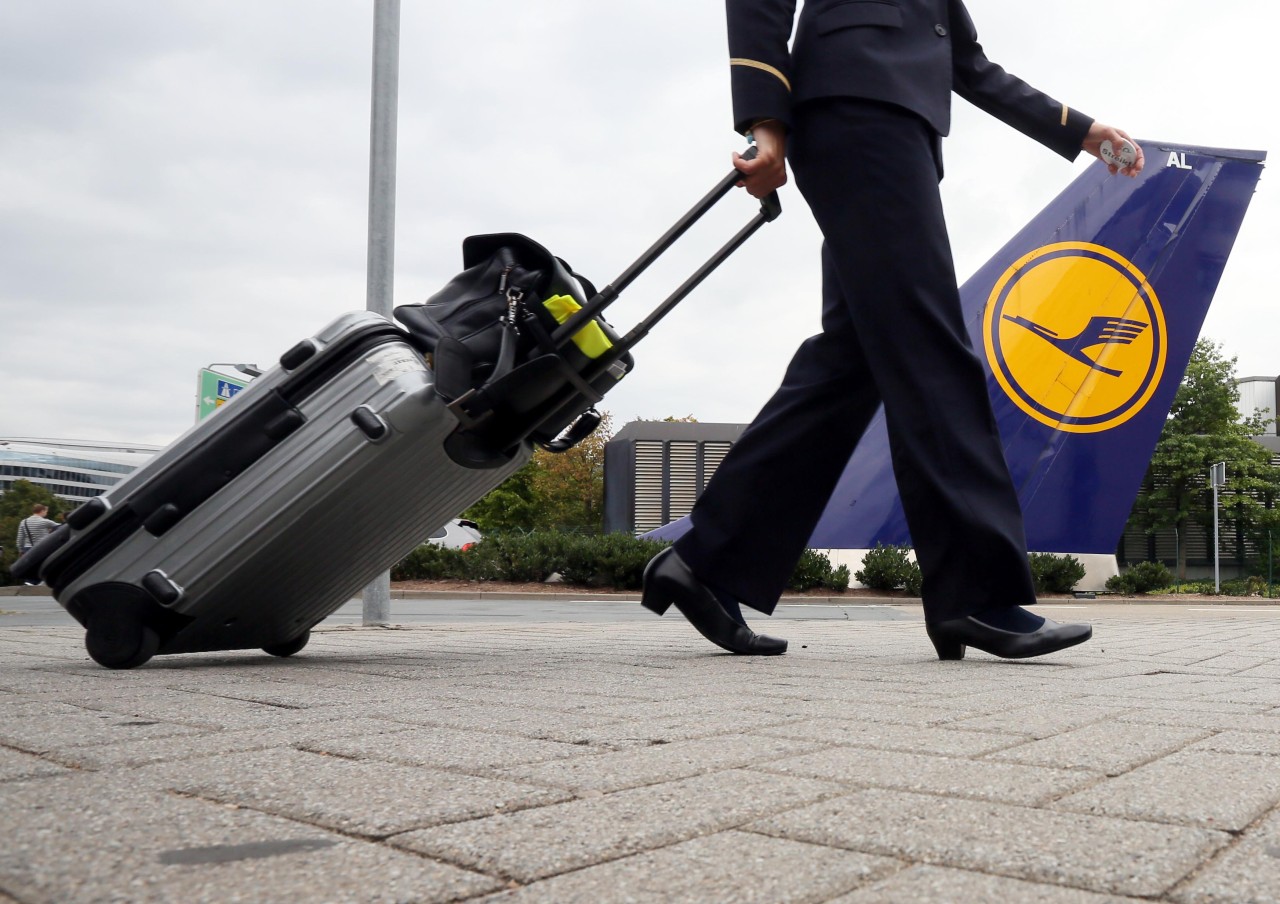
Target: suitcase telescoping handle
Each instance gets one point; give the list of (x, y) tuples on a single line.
[(770, 208)]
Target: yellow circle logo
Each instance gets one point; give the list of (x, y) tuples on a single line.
[(1076, 337)]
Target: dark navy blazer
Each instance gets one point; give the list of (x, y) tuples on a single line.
[(912, 53)]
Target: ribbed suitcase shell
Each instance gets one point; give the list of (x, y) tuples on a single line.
[(304, 528)]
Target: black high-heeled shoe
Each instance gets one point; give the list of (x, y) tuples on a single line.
[(951, 637), (667, 580)]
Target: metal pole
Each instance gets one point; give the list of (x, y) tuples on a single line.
[(1217, 478), (1217, 587), (382, 214)]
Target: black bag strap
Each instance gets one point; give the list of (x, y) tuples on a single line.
[(583, 426), (543, 338)]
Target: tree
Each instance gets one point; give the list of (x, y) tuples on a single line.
[(1204, 427), (562, 491), (509, 506), (569, 486), (15, 504)]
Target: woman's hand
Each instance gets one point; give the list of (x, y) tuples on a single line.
[(768, 171), (1099, 133)]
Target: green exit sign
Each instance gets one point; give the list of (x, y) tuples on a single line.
[(215, 390)]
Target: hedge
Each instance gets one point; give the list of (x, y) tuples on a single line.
[(585, 560)]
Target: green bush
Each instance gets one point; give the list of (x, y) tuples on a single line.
[(432, 563), (584, 560), (1055, 574), (1250, 586), (915, 581), (814, 570), (610, 560), (520, 558), (1141, 578), (889, 568)]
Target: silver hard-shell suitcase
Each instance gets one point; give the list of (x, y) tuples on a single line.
[(259, 522), (262, 520)]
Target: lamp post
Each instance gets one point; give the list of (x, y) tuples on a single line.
[(1217, 478), (382, 216)]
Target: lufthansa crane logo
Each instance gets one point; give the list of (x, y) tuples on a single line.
[(1076, 337)]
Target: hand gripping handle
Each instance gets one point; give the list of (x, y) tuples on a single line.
[(770, 209)]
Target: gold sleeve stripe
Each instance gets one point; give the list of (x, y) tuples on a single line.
[(1064, 114), (756, 64)]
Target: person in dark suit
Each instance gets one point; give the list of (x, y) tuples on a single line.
[(859, 107)]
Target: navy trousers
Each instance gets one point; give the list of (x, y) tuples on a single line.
[(892, 333)]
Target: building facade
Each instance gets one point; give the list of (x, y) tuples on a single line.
[(70, 469), (655, 470)]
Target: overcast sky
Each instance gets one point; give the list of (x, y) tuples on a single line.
[(184, 183)]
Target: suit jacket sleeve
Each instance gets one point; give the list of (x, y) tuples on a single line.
[(1009, 99), (759, 62)]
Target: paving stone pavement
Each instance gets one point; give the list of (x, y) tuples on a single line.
[(632, 762)]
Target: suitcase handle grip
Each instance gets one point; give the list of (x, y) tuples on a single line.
[(770, 209)]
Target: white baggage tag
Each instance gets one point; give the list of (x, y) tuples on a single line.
[(389, 363)]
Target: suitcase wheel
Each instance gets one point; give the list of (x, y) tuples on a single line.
[(120, 645), (288, 647)]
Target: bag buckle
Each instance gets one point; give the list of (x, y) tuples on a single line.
[(514, 296), (459, 408)]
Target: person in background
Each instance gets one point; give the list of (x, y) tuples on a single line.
[(33, 529)]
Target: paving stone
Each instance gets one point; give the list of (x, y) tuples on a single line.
[(1108, 747), (531, 723), (1172, 789), (448, 748), (1096, 853), (887, 736), (979, 779), (282, 693), (1157, 705), (366, 798), (664, 730), (15, 764), (617, 710), (729, 866), (199, 710), (1267, 694), (86, 838), (129, 754), (1253, 742), (1167, 685), (1247, 873), (921, 713), (70, 730), (632, 767), (1039, 720), (20, 706), (1235, 663), (1218, 718), (794, 698), (937, 885), (550, 840)]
